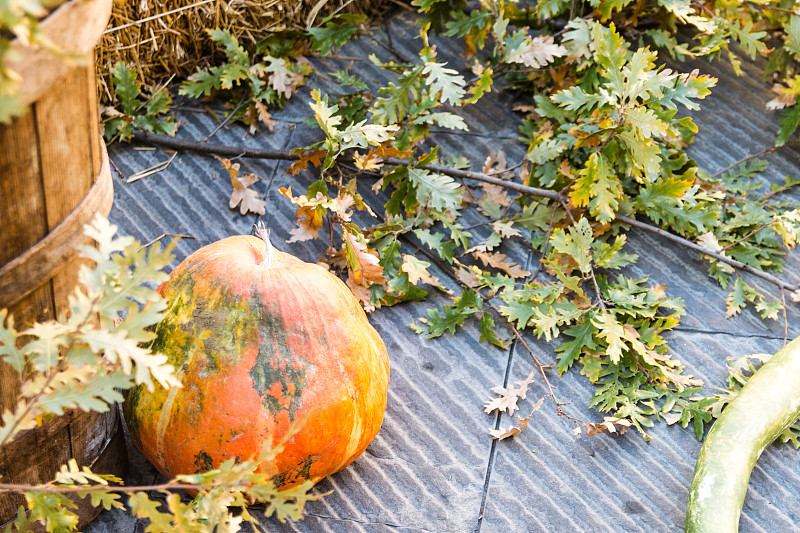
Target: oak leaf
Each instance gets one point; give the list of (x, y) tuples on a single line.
[(310, 215), (495, 163), (248, 200), (361, 293), (513, 431), (467, 276), (498, 261), (264, 115), (508, 397), (536, 52), (369, 162), (362, 262), (315, 157), (417, 271)]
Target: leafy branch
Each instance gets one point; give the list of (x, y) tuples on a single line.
[(291, 155)]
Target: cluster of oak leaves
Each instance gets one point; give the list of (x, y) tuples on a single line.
[(605, 142)]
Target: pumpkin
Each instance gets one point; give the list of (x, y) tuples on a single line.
[(261, 340)]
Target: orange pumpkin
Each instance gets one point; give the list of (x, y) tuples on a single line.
[(260, 340)]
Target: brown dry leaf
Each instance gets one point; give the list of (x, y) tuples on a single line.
[(495, 163), (368, 162), (383, 150), (683, 382), (524, 173), (498, 260), (795, 296), (362, 261), (315, 157), (248, 200), (467, 276), (310, 216), (609, 424), (495, 194), (513, 431), (671, 418), (566, 170), (264, 115), (507, 398), (361, 293)]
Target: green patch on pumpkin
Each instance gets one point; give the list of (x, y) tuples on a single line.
[(298, 474), (279, 376), (202, 462)]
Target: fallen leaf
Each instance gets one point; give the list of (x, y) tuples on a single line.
[(505, 229), (468, 277), (264, 115), (498, 260), (566, 170), (248, 200), (671, 418), (283, 80), (507, 398), (513, 431), (495, 163), (609, 424), (536, 52), (310, 216), (495, 194)]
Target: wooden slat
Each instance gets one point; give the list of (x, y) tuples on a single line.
[(21, 195), (65, 143)]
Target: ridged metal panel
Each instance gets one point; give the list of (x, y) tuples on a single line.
[(433, 466)]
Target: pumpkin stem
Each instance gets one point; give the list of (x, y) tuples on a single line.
[(269, 253)]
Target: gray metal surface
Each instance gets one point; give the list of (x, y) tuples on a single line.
[(433, 467)]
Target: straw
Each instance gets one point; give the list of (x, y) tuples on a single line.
[(161, 38)]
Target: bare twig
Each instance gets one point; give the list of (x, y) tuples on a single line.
[(765, 151), (116, 168), (165, 235), (227, 119)]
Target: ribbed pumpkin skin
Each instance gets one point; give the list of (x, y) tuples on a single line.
[(258, 348)]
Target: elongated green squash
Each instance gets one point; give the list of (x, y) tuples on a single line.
[(767, 405)]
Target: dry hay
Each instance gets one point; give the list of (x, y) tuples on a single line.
[(160, 45)]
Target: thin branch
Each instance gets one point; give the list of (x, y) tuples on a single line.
[(731, 245), (697, 248), (765, 151), (227, 119), (456, 173), (210, 148)]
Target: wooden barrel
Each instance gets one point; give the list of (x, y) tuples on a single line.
[(54, 178)]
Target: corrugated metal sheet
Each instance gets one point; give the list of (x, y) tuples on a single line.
[(433, 467)]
